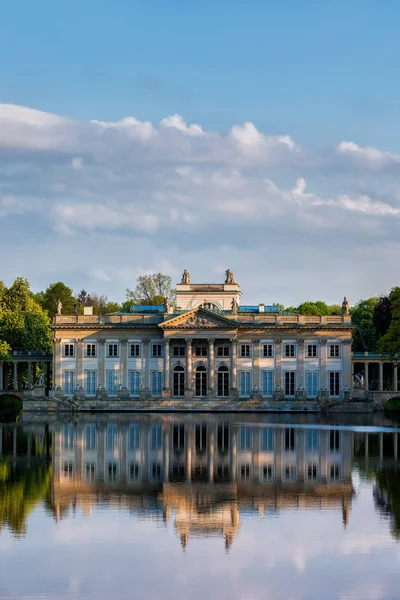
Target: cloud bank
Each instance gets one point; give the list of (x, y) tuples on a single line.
[(96, 203)]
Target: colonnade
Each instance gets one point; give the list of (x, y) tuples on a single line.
[(15, 364)]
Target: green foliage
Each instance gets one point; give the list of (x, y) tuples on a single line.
[(57, 291), (151, 289), (313, 308), (364, 338), (390, 342), (20, 491), (382, 315), (23, 323), (388, 500), (393, 404), (10, 408)]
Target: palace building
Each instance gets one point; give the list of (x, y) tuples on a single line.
[(207, 346)]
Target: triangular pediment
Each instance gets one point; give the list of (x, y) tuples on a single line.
[(198, 318)]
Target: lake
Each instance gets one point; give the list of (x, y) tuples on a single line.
[(211, 506)]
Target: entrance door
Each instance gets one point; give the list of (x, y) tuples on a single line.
[(290, 383), (178, 388), (201, 381), (223, 381)]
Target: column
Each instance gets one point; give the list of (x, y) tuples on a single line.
[(188, 454), (101, 359), (381, 447), (1, 376), (15, 383), (166, 453), (395, 446), (189, 365), (256, 368), (57, 366), (346, 364), (395, 380), (322, 362), (79, 364), (211, 375), (366, 377), (146, 365), (278, 363), (234, 366), (211, 449), (380, 388), (166, 367), (124, 363), (29, 375), (300, 364), (45, 376)]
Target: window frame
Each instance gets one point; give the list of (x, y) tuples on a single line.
[(67, 353), (223, 351), (156, 353), (314, 351), (287, 353), (268, 351), (245, 351), (135, 353), (112, 354), (332, 351)]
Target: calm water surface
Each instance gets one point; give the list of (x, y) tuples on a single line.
[(200, 506)]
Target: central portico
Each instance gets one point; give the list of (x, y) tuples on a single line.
[(193, 366)]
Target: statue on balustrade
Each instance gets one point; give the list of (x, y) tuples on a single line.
[(345, 307), (185, 277), (229, 278), (59, 306)]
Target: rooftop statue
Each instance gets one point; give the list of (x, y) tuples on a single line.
[(185, 277), (345, 307), (229, 278), (234, 306), (59, 306)]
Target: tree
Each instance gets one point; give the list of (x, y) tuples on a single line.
[(382, 315), (57, 291), (364, 338), (23, 322), (389, 343), (151, 289), (313, 308)]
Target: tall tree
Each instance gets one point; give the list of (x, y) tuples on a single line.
[(389, 343), (151, 289), (364, 337), (58, 291), (23, 323), (382, 315)]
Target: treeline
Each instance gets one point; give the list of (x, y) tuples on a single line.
[(25, 315)]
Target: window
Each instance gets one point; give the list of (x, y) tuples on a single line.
[(112, 471), (290, 351), (156, 384), (335, 472), (267, 440), (178, 381), (245, 383), (91, 383), (111, 437), (312, 471), (223, 381), (201, 438), (156, 350), (68, 349), (312, 383), (134, 471), (210, 306), (156, 471), (200, 351), (134, 437), (112, 383), (290, 377), (135, 350), (112, 350), (334, 351), (89, 471), (267, 383), (69, 437), (289, 472), (334, 440), (178, 351), (90, 349), (268, 350), (313, 440), (69, 470), (69, 377), (245, 471), (334, 383), (134, 383), (223, 350), (244, 350), (156, 438), (90, 437), (245, 438), (290, 440), (267, 472), (312, 351)]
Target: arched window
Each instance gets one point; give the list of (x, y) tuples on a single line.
[(201, 381), (178, 384), (223, 381), (209, 306)]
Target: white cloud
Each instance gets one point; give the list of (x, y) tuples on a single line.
[(177, 122), (368, 156)]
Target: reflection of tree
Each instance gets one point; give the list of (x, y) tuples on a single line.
[(387, 497), (21, 489)]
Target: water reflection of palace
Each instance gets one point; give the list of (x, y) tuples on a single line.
[(205, 472)]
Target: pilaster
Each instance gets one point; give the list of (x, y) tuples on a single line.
[(346, 362), (102, 361), (167, 385), (380, 385), (79, 364), (145, 391), (322, 362), (256, 369), (211, 367), (278, 363), (366, 377), (233, 390), (300, 364), (189, 369), (124, 362)]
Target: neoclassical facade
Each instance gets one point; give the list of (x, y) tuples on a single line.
[(209, 346)]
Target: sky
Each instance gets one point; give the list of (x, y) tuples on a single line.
[(147, 136)]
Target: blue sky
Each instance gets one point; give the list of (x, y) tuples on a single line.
[(320, 73)]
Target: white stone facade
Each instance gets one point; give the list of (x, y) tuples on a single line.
[(210, 347)]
